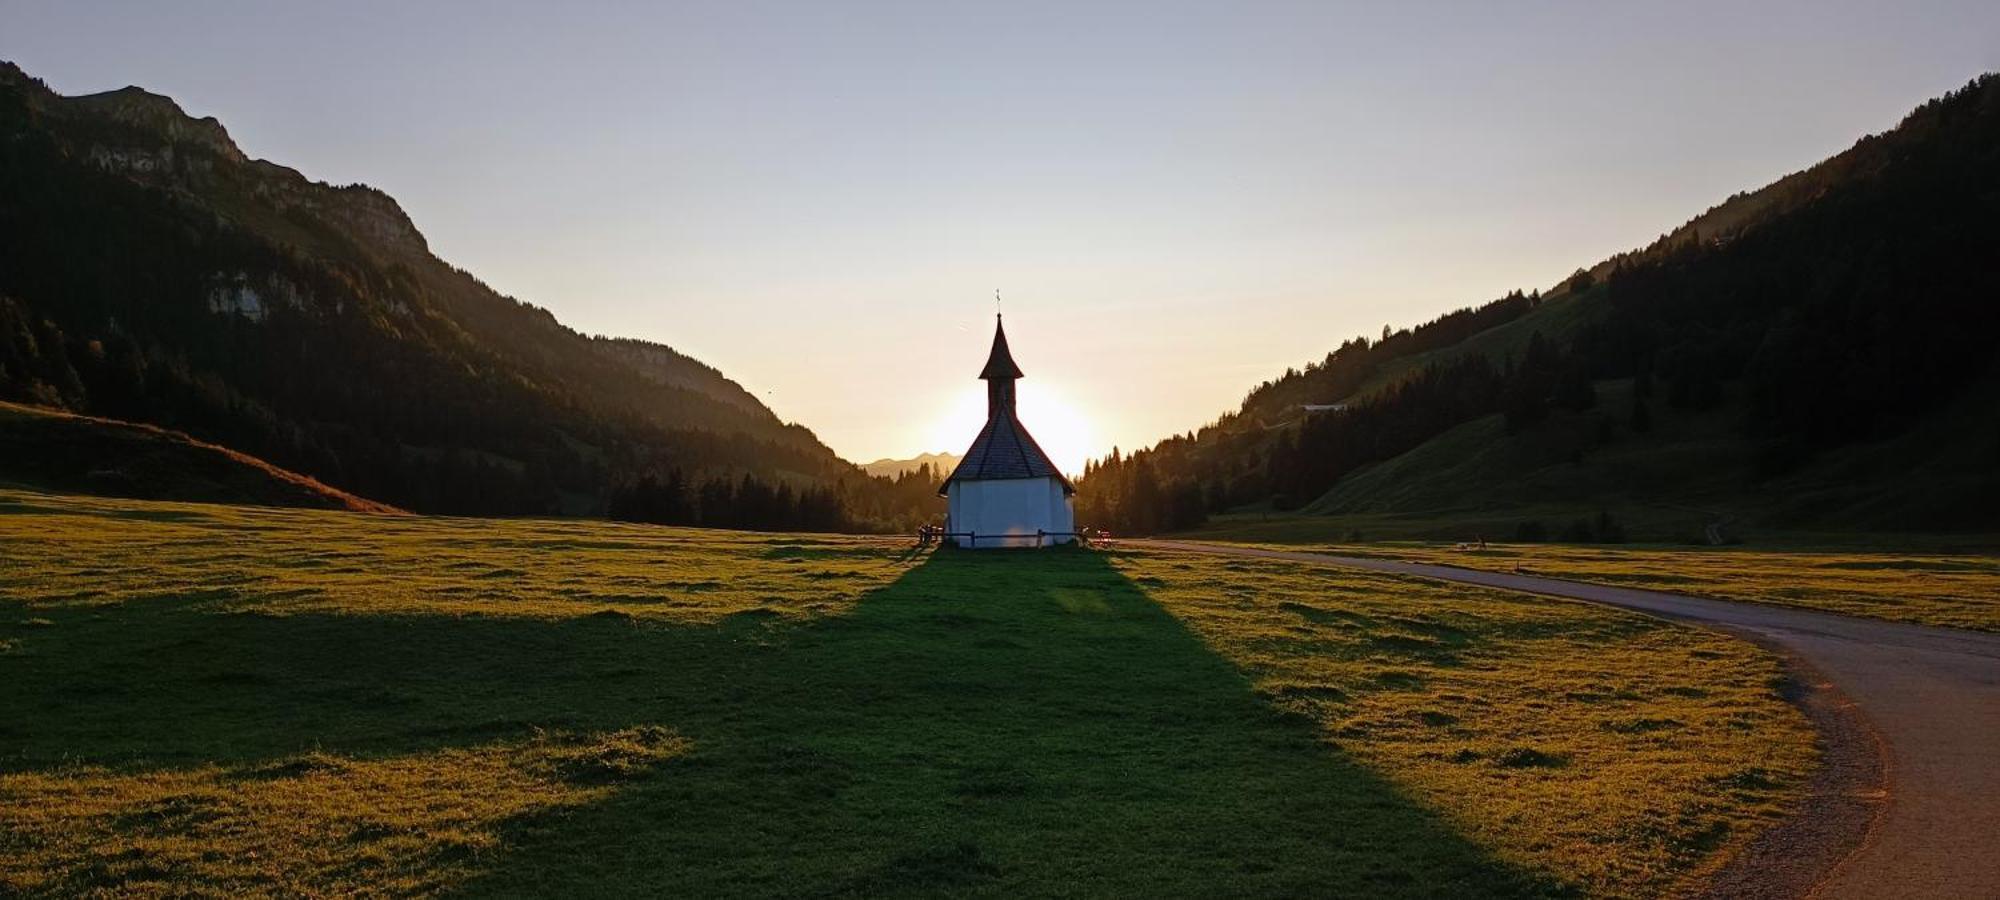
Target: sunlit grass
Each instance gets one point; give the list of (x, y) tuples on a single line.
[(90, 551), (1958, 590), (304, 825), (230, 700), (1622, 751)]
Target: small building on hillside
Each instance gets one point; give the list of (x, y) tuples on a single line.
[(1006, 492)]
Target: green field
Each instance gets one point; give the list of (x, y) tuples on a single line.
[(1924, 587), (221, 700), (1954, 590)]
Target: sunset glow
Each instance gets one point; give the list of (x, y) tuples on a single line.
[(1237, 193), (1059, 424)]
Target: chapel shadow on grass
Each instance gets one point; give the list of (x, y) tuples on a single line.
[(989, 723)]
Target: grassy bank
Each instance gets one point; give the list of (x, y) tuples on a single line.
[(1923, 587), (224, 700), (1953, 590)]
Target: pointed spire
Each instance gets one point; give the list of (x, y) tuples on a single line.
[(1004, 449), (999, 363)]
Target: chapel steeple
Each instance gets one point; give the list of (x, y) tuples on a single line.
[(999, 374), (1005, 453)]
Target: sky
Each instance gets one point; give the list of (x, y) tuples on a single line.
[(1176, 201)]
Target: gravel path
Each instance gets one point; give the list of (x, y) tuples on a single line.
[(1931, 695)]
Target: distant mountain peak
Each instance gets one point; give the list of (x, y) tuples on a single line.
[(140, 108), (940, 463)]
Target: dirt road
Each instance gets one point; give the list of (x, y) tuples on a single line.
[(1931, 694)]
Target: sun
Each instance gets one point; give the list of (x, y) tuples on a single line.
[(1057, 423)]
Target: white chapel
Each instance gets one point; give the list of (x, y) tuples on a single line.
[(1006, 492)]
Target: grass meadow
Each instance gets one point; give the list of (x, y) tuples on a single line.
[(208, 700), (1959, 589)]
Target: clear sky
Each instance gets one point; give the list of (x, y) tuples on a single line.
[(1177, 200)]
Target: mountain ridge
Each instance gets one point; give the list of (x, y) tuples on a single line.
[(163, 276), (1800, 330)]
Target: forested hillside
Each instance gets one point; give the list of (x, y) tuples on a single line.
[(151, 272), (1789, 356)]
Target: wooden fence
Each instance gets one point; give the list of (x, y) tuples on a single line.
[(971, 539)]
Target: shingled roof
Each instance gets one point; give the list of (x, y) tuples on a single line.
[(1005, 449)]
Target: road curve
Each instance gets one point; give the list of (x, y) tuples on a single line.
[(1931, 694)]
